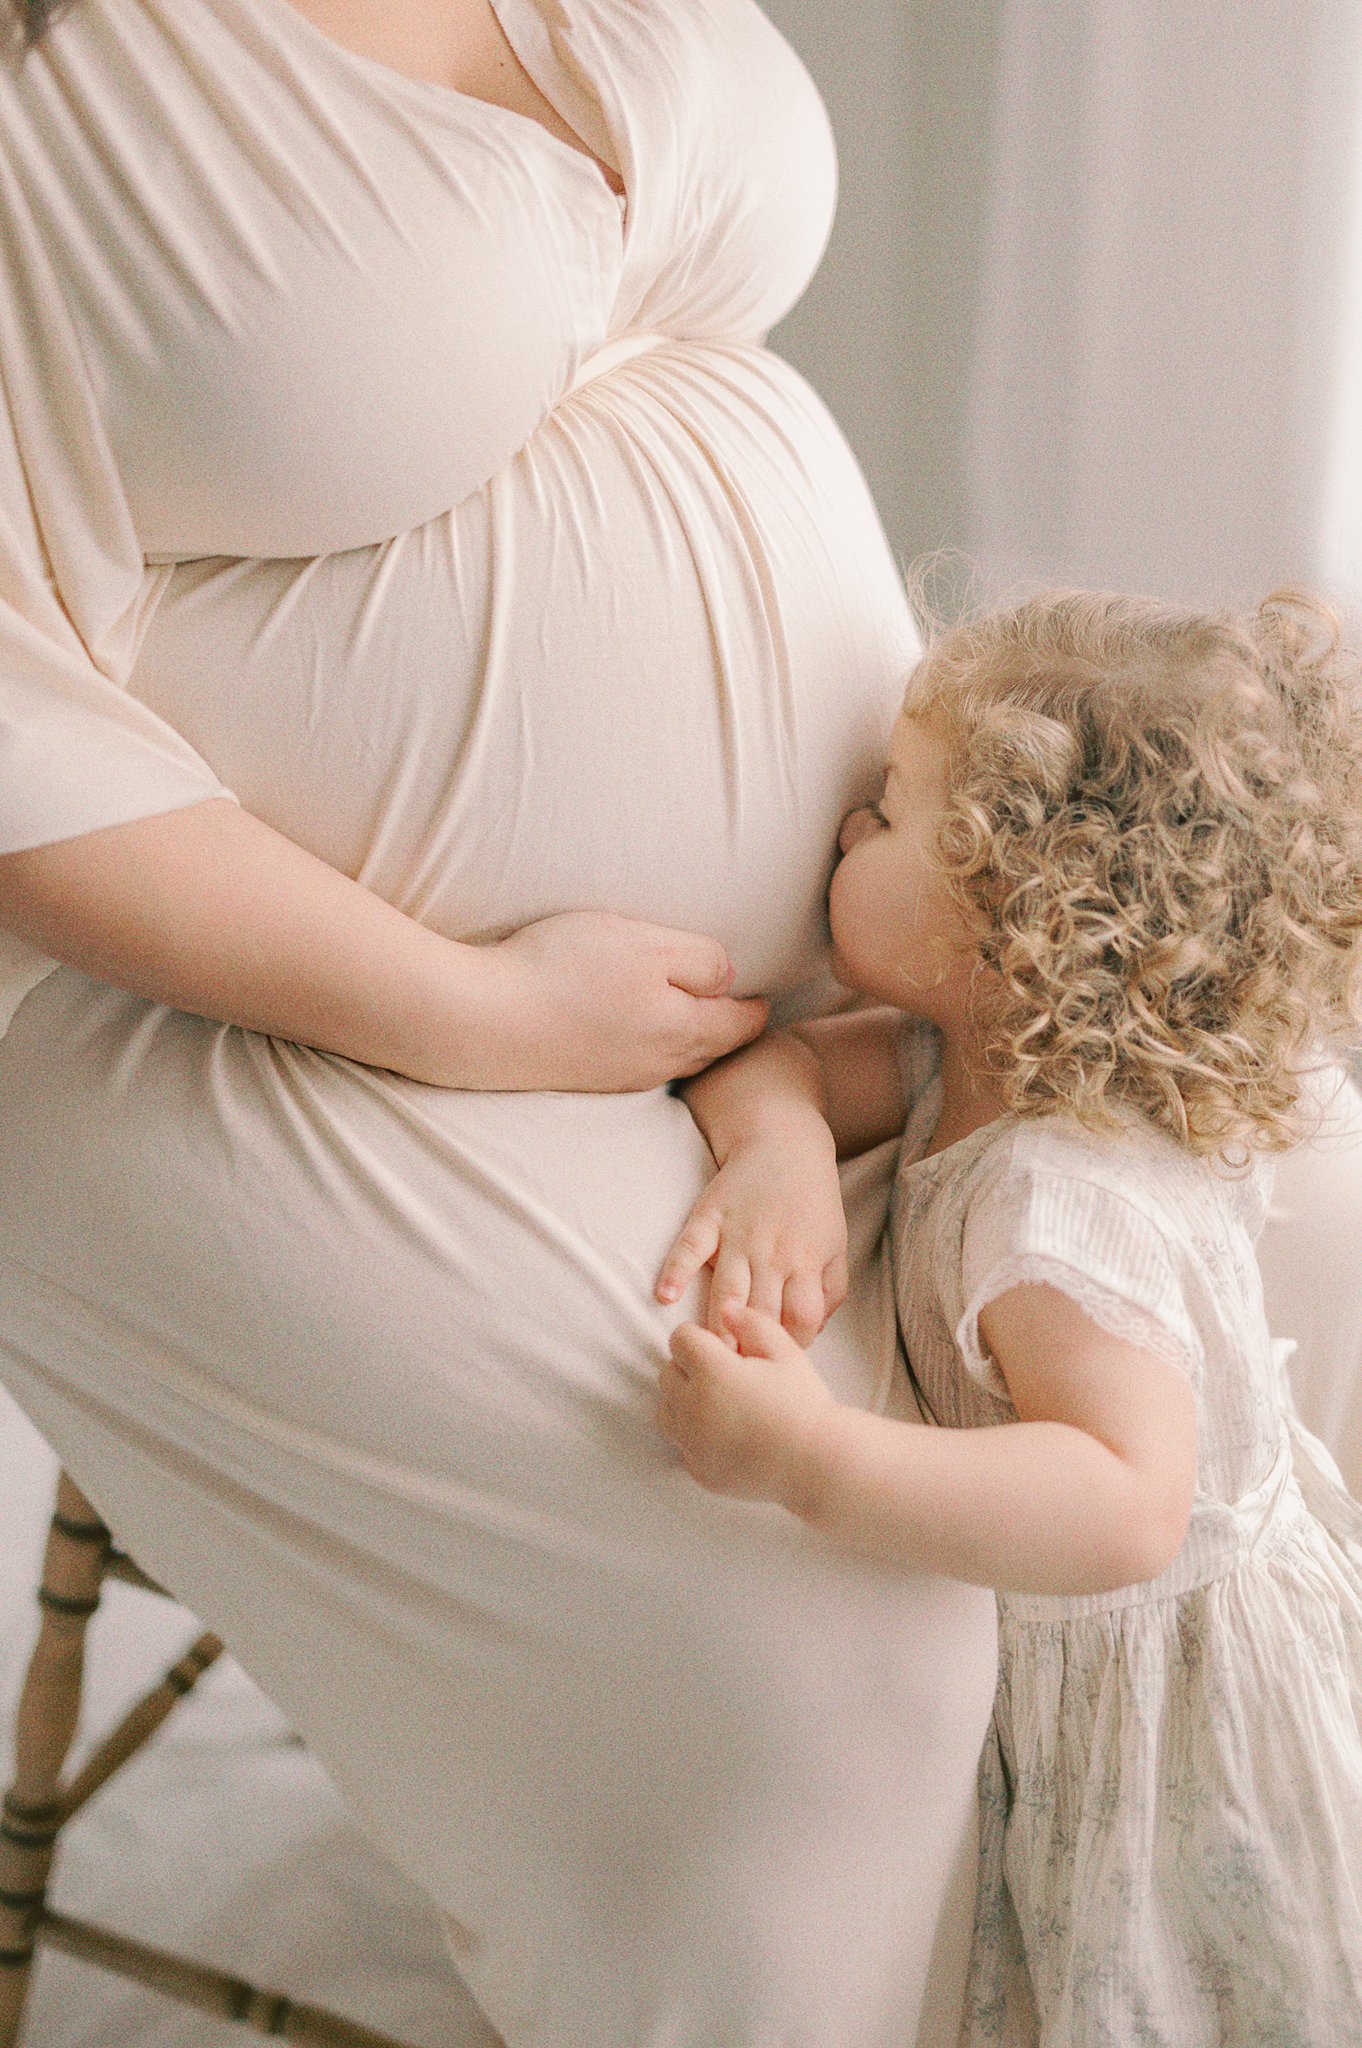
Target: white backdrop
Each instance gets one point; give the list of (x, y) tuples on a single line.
[(1093, 308), (1158, 376)]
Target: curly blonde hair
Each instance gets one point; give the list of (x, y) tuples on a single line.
[(1154, 820)]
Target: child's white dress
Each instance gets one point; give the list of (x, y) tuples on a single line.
[(1172, 1787)]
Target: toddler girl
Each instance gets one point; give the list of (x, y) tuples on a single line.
[(1112, 896)]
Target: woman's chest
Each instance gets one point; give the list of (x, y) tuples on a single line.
[(318, 301), (459, 45)]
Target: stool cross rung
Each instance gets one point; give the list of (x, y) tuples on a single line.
[(80, 1554), (210, 1990)]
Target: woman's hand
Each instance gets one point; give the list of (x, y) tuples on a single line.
[(771, 1227), (746, 1421), (587, 1000)]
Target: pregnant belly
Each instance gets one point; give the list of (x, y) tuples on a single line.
[(646, 669), (365, 1370)]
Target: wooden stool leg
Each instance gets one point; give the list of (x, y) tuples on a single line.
[(78, 1557), (49, 1708)]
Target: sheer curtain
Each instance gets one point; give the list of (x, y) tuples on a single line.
[(1162, 367), (1093, 305)]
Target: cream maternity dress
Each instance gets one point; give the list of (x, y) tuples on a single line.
[(318, 490)]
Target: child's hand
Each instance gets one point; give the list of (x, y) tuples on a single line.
[(772, 1227), (743, 1420)]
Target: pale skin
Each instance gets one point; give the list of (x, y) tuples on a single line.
[(210, 910), (1091, 1488)]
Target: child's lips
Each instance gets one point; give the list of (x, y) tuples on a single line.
[(854, 828)]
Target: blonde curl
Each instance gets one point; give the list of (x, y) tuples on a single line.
[(1154, 822)]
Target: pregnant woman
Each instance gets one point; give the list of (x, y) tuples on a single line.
[(405, 539)]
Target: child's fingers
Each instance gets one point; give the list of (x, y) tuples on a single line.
[(671, 1378), (692, 1350), (673, 1389), (802, 1309), (731, 1285), (767, 1292), (835, 1281), (678, 1365), (694, 1248), (759, 1335)]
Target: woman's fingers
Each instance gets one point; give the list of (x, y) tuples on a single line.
[(721, 1024), (698, 964), (699, 967), (694, 1248)]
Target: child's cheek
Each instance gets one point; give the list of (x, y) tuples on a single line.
[(837, 898)]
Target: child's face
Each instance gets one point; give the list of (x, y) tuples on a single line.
[(897, 934)]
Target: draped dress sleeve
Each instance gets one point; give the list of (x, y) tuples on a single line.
[(77, 752)]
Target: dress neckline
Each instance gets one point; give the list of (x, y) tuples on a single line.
[(928, 1102), (388, 78), (921, 1128)]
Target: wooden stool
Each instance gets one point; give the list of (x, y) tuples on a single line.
[(79, 1556)]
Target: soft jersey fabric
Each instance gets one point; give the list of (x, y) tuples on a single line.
[(308, 497), (1172, 1788), (265, 298)]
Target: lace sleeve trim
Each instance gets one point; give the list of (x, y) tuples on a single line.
[(1101, 1304)]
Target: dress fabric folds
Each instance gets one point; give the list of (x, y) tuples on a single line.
[(314, 498)]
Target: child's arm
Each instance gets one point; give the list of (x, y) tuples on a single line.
[(846, 1068), (1090, 1490), (770, 1223), (858, 1059)]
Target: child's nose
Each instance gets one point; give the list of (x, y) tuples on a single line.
[(855, 826)]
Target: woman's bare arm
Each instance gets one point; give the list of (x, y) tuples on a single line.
[(210, 910)]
